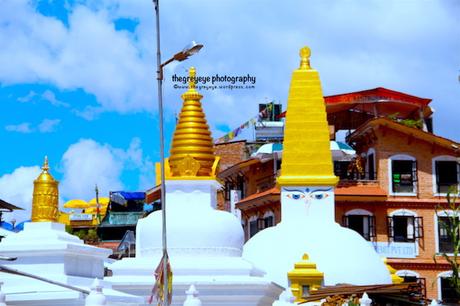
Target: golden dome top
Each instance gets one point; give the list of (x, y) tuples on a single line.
[(45, 199), (192, 152), (45, 176)]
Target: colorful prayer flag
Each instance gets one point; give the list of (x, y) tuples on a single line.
[(158, 288)]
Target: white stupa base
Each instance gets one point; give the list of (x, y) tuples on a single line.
[(45, 249), (229, 281)]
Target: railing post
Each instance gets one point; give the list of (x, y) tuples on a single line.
[(96, 297), (2, 296), (365, 300), (192, 297)]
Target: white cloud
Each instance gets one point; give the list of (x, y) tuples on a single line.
[(87, 163), (378, 43), (84, 164), (88, 54), (48, 125), (45, 126), (17, 188), (49, 96), (28, 97), (20, 128)]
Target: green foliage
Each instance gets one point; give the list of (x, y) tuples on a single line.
[(87, 235), (452, 227), (69, 229), (92, 235), (407, 122)]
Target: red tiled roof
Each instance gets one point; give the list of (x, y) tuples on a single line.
[(417, 133), (153, 194), (240, 165), (360, 190), (404, 103), (258, 195)]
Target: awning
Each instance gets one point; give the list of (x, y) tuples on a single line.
[(77, 204), (122, 197), (340, 151), (8, 207)]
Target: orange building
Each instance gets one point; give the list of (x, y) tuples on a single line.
[(389, 192)]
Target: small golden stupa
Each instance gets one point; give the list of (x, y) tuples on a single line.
[(192, 152), (307, 160), (304, 278), (45, 199)]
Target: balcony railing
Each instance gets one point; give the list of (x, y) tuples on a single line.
[(345, 175)]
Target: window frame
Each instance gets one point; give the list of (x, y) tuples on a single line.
[(445, 213), (403, 157), (371, 151), (435, 175), (371, 225), (251, 221), (446, 274), (417, 226)]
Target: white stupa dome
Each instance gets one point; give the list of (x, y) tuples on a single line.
[(340, 253), (192, 227)]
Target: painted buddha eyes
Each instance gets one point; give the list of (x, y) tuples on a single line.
[(296, 196), (319, 195), (315, 195)]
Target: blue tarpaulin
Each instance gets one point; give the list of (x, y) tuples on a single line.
[(121, 197)]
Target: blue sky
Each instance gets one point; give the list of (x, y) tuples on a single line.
[(77, 78)]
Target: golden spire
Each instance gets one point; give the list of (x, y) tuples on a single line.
[(307, 158), (192, 152), (45, 199)]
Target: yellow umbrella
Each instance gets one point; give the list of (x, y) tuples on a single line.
[(102, 202), (76, 203)]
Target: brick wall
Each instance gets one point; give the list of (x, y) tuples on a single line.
[(390, 142), (231, 153)]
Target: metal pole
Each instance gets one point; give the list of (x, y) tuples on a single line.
[(8, 270), (162, 153)]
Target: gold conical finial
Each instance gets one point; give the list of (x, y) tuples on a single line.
[(45, 166), (192, 76), (45, 199), (305, 58), (192, 151), (307, 161)]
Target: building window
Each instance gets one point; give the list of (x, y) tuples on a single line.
[(445, 239), (403, 175), (447, 175), (404, 228), (409, 276), (268, 221), (448, 294), (253, 228), (240, 185), (341, 169), (371, 166), (363, 224), (227, 189)]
